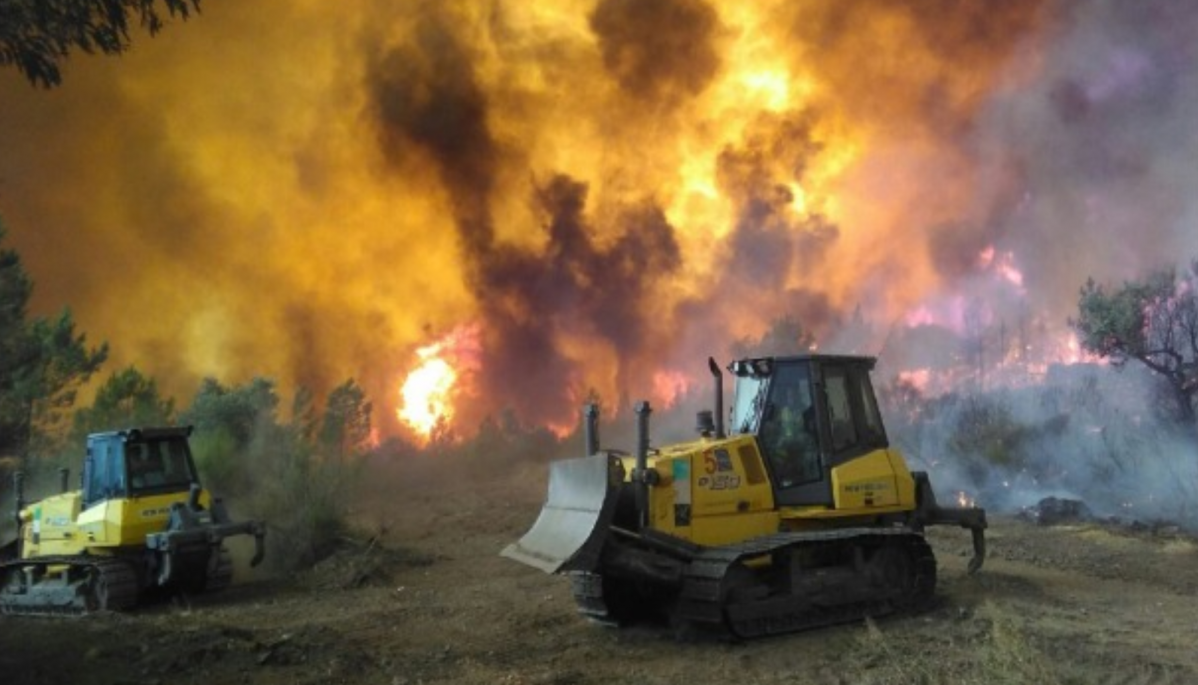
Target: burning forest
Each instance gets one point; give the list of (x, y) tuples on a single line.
[(490, 209), (413, 302)]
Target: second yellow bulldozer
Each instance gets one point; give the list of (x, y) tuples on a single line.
[(799, 514), (141, 523)]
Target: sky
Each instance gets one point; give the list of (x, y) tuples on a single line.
[(563, 198)]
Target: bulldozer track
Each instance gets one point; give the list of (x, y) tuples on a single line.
[(100, 585), (720, 595), (793, 613)]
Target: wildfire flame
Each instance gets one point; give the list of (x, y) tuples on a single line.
[(607, 190), (670, 386), (428, 392), (1003, 264)]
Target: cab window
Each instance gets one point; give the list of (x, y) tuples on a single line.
[(840, 409), (789, 432), (105, 477), (157, 466), (871, 421)]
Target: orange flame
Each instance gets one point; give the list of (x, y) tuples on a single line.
[(429, 391), (670, 386), (798, 156), (1002, 264)]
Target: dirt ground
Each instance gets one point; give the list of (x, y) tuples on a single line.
[(429, 600)]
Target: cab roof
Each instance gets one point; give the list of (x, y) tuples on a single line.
[(760, 365), (148, 432)]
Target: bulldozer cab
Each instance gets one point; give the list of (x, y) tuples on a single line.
[(137, 463), (809, 413)]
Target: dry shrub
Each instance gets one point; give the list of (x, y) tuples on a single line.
[(301, 494), (305, 505)]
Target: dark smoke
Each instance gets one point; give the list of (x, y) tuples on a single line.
[(427, 101), (771, 242), (310, 192), (658, 50), (849, 43), (574, 288)]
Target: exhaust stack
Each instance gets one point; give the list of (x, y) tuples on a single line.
[(718, 377), (590, 428), (641, 475)]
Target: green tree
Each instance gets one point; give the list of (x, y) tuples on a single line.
[(42, 364), (279, 472), (15, 289), (1153, 321), (304, 421), (37, 35), (237, 412), (126, 399), (345, 429), (234, 427)]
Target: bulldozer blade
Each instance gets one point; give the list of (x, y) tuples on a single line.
[(570, 530)]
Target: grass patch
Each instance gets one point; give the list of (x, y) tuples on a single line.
[(999, 650)]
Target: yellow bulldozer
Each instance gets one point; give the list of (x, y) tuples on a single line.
[(800, 514), (140, 524)]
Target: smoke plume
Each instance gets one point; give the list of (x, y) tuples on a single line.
[(609, 191)]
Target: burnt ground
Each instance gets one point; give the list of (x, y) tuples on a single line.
[(421, 596)]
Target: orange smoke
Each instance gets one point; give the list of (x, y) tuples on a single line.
[(608, 191)]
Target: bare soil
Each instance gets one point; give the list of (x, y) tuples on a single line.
[(421, 596)]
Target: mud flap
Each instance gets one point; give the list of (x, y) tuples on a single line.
[(569, 533)]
